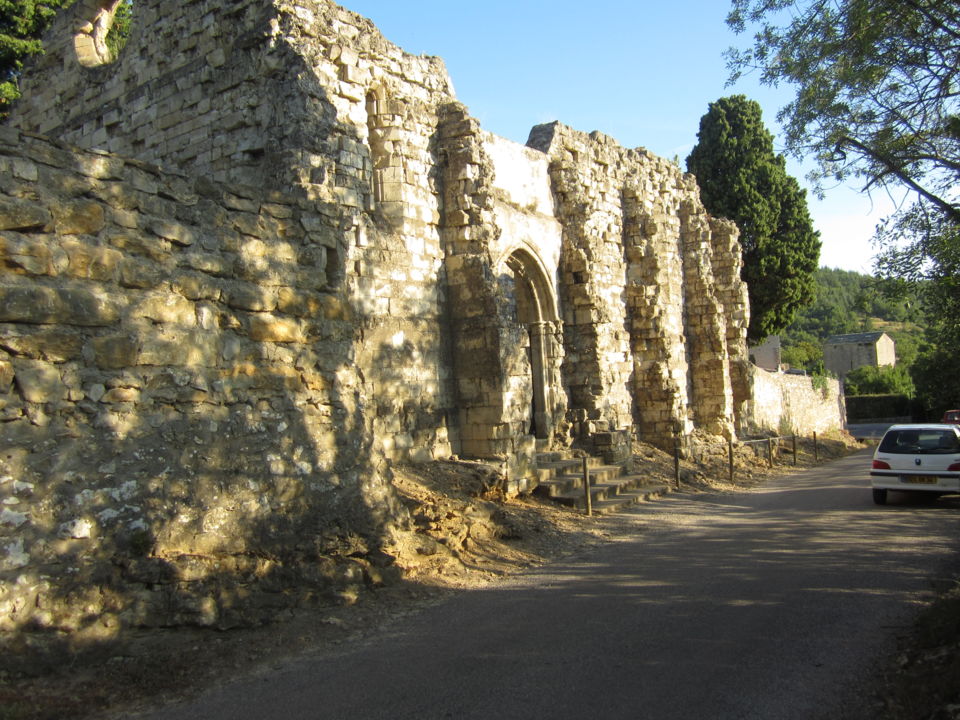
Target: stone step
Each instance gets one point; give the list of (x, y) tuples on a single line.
[(642, 493), (553, 468), (555, 456), (567, 476), (607, 497), (560, 478)]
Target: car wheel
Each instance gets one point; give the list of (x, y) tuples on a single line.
[(880, 496)]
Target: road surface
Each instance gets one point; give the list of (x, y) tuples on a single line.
[(768, 604)]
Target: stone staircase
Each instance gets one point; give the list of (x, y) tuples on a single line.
[(560, 478)]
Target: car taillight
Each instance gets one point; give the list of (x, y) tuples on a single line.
[(882, 465), (955, 466)]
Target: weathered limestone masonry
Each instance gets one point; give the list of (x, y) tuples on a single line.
[(184, 436), (794, 403), (650, 330), (286, 257)]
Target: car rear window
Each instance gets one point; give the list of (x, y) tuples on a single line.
[(914, 442)]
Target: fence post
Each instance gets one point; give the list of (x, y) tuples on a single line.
[(586, 487), (676, 462), (730, 457), (816, 448), (770, 452), (794, 449)]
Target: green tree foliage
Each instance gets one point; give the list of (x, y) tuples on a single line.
[(876, 86), (22, 23), (120, 28), (743, 179), (929, 263), (804, 351), (849, 302), (869, 380), (877, 99)]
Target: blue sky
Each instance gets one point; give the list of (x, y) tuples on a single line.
[(642, 72)]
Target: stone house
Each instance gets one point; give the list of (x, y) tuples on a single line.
[(263, 254), (843, 353), (766, 355)]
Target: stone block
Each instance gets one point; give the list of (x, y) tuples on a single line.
[(39, 382), (195, 287), (135, 273), (301, 303), (45, 305), (52, 345), (82, 217), (6, 376), (114, 352), (165, 308), (92, 262), (149, 246), (18, 214), (175, 232), (270, 328), (247, 296), (179, 348), (36, 255)]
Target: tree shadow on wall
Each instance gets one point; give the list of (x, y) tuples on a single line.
[(218, 479)]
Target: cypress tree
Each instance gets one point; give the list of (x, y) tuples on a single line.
[(741, 178)]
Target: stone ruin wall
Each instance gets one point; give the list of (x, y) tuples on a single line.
[(793, 404), (306, 98), (214, 363), (178, 395), (655, 308)]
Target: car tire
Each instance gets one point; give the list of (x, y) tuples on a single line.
[(880, 496)]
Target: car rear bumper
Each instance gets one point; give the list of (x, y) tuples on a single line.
[(916, 482)]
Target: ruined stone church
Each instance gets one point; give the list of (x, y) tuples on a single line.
[(263, 253)]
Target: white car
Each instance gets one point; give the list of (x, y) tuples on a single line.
[(917, 458)]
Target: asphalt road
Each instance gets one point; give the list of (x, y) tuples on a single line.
[(868, 431), (770, 604)]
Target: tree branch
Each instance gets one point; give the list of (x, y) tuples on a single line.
[(951, 210)]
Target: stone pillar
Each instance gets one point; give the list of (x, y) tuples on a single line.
[(597, 365), (732, 292), (541, 334), (711, 396), (655, 298), (489, 357)]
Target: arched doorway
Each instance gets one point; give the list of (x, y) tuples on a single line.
[(536, 314)]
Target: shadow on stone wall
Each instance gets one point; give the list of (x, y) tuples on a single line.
[(185, 437)]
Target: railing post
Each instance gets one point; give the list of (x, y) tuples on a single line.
[(730, 457), (794, 449), (816, 448), (586, 487), (770, 452), (676, 462)]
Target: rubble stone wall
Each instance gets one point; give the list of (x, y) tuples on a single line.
[(180, 397), (653, 318), (789, 403)]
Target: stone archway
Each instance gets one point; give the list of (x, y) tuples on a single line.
[(536, 313)]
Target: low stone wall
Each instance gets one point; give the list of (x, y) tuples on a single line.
[(184, 433), (787, 403)]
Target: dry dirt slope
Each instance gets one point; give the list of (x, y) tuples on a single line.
[(463, 535)]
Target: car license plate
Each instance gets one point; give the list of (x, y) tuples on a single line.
[(920, 479)]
